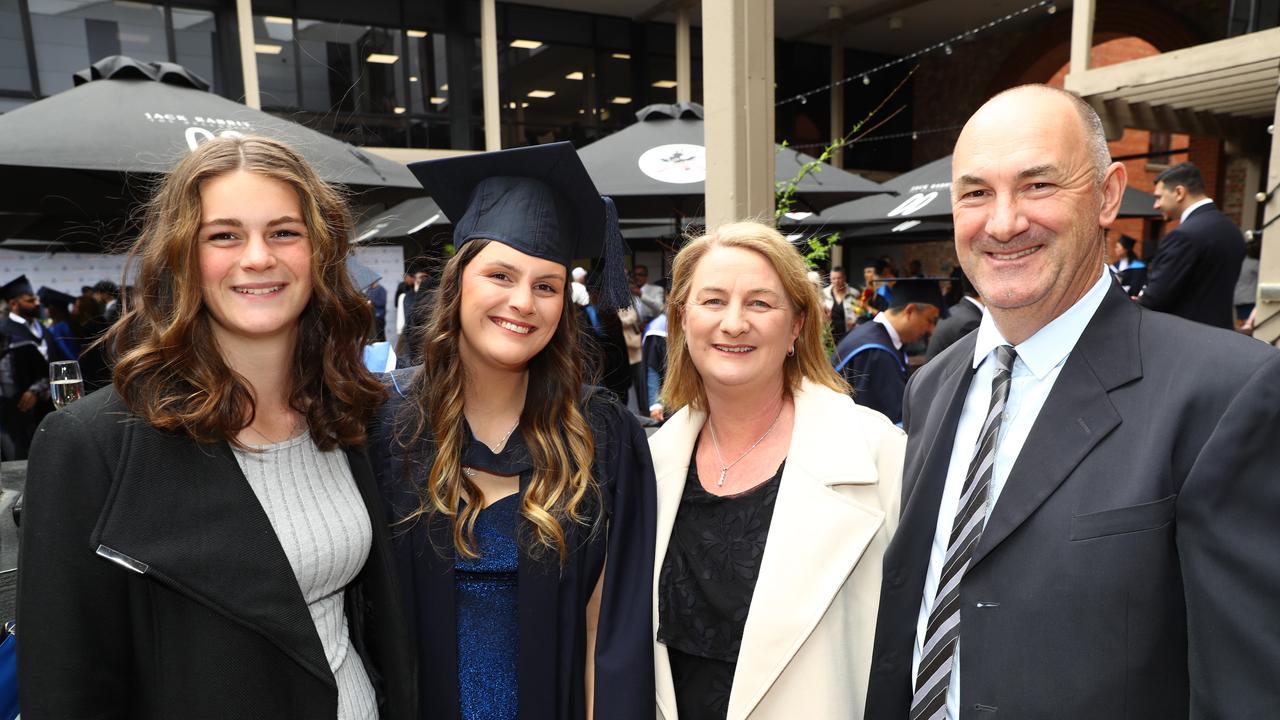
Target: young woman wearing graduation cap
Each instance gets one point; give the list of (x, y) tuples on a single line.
[(523, 504)]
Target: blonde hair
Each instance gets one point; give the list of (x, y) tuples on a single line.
[(683, 385)]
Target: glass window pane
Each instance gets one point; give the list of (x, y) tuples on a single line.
[(546, 92), (13, 49), (428, 72), (195, 44), (273, 45), (351, 68), (72, 34)]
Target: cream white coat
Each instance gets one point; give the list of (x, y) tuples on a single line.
[(806, 646)]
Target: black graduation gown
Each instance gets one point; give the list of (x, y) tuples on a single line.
[(878, 377), (552, 623), (29, 367)]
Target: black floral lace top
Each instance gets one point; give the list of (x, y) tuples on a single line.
[(705, 588)]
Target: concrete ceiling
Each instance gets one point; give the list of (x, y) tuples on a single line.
[(865, 24)]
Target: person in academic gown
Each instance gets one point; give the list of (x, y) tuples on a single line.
[(871, 357), (24, 380), (203, 539), (522, 503)]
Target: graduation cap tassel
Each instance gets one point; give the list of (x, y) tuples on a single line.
[(613, 279)]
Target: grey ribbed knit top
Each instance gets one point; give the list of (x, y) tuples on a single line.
[(322, 522)]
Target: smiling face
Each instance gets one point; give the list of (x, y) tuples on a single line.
[(510, 307), (738, 321), (254, 256), (1028, 207)]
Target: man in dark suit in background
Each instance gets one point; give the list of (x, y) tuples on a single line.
[(871, 357), (962, 317), (1088, 524), (1193, 274)]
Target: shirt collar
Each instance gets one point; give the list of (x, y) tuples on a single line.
[(1192, 207), (1051, 344), (19, 319), (975, 302), (893, 334)]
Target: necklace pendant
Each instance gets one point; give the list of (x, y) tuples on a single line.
[(723, 472)]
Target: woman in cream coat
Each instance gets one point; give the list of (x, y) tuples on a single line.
[(777, 495)]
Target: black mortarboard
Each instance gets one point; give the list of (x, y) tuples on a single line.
[(55, 298), (16, 288), (920, 292), (539, 200)]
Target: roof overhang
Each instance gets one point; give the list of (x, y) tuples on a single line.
[(1225, 88)]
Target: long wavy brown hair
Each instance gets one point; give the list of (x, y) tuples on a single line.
[(552, 425), (683, 385), (168, 367)]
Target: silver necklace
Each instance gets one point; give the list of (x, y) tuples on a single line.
[(724, 469), (495, 449)]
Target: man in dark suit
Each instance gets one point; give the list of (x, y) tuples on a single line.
[(962, 318), (24, 378), (1088, 524), (1194, 272), (871, 357)]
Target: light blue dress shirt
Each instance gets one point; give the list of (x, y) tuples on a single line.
[(1040, 359)]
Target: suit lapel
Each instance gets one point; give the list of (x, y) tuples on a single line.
[(815, 539), (185, 515), (1076, 416)]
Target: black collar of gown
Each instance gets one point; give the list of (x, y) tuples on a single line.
[(513, 459)]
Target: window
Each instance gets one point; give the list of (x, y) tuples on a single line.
[(70, 35), (195, 39), (13, 49)]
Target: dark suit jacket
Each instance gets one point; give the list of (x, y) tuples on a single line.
[(878, 378), (1129, 568), (962, 319), (152, 586), (1194, 272)]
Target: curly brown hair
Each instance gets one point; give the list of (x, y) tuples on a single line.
[(552, 424), (169, 370)]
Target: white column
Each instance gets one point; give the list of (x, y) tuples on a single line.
[(489, 74), (737, 71), (1082, 12), (684, 56), (248, 56), (1267, 320)]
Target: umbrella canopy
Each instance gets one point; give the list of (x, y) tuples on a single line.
[(924, 196), (657, 167), (403, 220), (75, 158)]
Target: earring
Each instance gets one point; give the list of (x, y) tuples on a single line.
[(792, 351)]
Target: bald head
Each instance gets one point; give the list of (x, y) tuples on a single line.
[(1032, 191), (1092, 133)]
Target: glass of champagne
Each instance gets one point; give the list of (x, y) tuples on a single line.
[(65, 384)]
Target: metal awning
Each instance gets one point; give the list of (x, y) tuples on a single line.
[(1222, 88)]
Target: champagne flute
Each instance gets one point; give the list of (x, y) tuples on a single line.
[(65, 383)]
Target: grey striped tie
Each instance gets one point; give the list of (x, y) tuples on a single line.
[(943, 630)]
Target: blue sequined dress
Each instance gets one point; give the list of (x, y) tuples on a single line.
[(486, 596)]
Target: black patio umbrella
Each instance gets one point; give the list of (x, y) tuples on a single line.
[(656, 167), (923, 201), (406, 218), (83, 158)]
